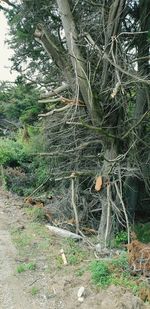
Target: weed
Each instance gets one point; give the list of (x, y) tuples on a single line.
[(115, 271), (121, 238), (74, 253), (26, 266), (121, 262), (22, 239), (36, 214), (126, 281), (21, 268), (34, 291), (79, 272), (59, 262), (100, 273)]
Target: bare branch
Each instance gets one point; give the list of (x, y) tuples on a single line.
[(136, 125), (9, 3), (54, 91), (57, 110)]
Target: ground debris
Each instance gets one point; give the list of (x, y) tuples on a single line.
[(139, 257)]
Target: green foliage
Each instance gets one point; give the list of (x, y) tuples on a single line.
[(36, 214), (115, 271), (121, 262), (22, 239), (34, 291), (121, 238), (101, 274), (26, 266), (11, 151), (74, 253), (19, 102), (143, 232), (33, 233), (22, 21), (32, 170)]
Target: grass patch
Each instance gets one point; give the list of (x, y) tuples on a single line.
[(74, 253), (34, 291), (26, 266), (115, 271), (33, 240), (101, 274), (22, 239), (36, 214), (79, 272)]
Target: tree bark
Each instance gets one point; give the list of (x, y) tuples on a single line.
[(55, 51), (78, 62), (105, 227)]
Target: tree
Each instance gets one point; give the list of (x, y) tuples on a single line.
[(101, 51)]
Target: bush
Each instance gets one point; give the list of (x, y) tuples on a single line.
[(115, 271), (100, 273), (10, 152), (121, 238)]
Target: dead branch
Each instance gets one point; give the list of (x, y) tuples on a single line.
[(63, 100), (78, 148), (54, 92), (136, 125), (124, 210), (9, 3), (108, 222), (56, 110), (73, 202), (52, 100), (38, 188), (90, 127), (132, 75), (62, 232), (105, 56)]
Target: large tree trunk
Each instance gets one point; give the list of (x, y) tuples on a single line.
[(132, 184), (78, 62)]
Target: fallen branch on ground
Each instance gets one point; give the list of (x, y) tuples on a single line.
[(63, 233)]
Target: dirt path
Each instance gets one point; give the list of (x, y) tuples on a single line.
[(56, 286), (11, 289)]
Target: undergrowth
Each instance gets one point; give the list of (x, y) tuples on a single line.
[(114, 272), (143, 232)]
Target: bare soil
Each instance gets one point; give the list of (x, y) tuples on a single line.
[(51, 285)]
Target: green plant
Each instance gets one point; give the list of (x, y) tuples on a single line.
[(121, 262), (36, 214), (34, 291), (79, 272), (115, 271), (120, 238), (125, 280), (21, 238), (26, 266), (21, 268), (10, 152), (100, 273), (143, 232), (74, 253)]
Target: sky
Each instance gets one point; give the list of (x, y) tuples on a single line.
[(5, 52)]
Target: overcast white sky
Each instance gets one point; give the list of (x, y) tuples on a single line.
[(5, 52)]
